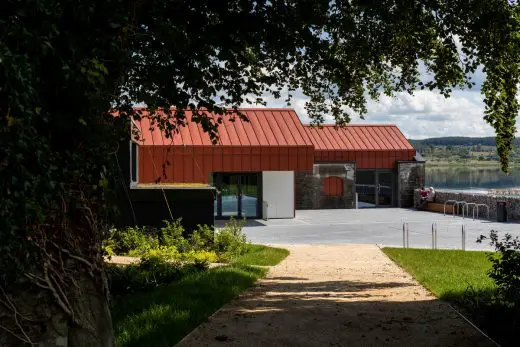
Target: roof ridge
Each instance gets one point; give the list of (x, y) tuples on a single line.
[(352, 125), (229, 108)]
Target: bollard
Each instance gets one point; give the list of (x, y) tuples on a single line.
[(404, 236), (463, 237), (407, 236), (433, 236)]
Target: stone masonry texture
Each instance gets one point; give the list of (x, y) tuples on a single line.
[(411, 176), (310, 193)]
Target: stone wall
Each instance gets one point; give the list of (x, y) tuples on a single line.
[(310, 192), (512, 202), (410, 176)]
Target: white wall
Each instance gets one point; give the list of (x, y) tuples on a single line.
[(278, 192)]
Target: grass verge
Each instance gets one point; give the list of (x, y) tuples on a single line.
[(164, 316), (460, 278), (263, 256), (446, 273)]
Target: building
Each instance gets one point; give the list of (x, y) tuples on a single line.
[(273, 164)]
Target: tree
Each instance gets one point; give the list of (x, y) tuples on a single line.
[(66, 65)]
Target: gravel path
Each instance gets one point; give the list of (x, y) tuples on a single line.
[(336, 295)]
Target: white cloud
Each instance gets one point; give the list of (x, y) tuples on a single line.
[(421, 115)]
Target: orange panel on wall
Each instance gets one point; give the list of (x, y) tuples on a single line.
[(284, 158), (245, 155), (217, 159), (293, 158), (187, 165), (256, 159), (237, 159), (274, 162), (227, 160), (333, 186), (265, 159)]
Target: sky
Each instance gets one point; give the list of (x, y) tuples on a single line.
[(422, 115)]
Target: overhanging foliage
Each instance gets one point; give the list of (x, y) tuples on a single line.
[(65, 63)]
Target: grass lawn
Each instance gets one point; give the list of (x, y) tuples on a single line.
[(446, 273), (164, 316), (263, 255), (461, 278)]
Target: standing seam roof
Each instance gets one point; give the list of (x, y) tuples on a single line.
[(281, 127), (266, 127), (356, 137)]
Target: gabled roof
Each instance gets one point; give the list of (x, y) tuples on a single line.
[(358, 137), (280, 127), (266, 127)]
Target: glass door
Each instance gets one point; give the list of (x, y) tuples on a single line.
[(238, 195), (385, 188), (249, 195), (375, 188), (366, 188), (229, 195)]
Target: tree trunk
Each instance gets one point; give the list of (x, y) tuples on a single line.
[(93, 313), (48, 325)]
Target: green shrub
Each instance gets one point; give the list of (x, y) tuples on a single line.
[(164, 252), (169, 243), (200, 259), (150, 273), (230, 241), (505, 270), (172, 235), (203, 238), (133, 241)]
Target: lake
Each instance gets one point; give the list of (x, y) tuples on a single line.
[(470, 178)]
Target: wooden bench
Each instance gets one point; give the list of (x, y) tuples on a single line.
[(438, 207)]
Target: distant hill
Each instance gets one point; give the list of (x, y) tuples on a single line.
[(457, 149), (459, 141)]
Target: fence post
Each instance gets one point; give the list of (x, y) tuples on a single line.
[(407, 236), (404, 236), (435, 235), (463, 237)]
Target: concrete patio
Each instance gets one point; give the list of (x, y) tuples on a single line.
[(382, 226)]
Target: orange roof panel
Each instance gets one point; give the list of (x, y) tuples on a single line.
[(266, 127), (356, 137)]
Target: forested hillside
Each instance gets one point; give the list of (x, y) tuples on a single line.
[(461, 150), (460, 141)]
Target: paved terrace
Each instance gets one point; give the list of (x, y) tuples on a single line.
[(382, 226)]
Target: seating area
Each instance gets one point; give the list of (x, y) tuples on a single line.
[(438, 207)]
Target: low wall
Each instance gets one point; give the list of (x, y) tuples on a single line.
[(512, 202), (410, 176)]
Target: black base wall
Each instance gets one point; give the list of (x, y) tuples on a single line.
[(194, 206)]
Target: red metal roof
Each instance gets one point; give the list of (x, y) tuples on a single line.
[(266, 127), (357, 137), (272, 140)]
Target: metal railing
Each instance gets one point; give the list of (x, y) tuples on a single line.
[(466, 206), (449, 202), (477, 207), (434, 236), (457, 205)]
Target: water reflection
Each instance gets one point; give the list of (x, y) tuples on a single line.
[(466, 178)]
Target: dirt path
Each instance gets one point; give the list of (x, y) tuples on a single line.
[(341, 295)]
